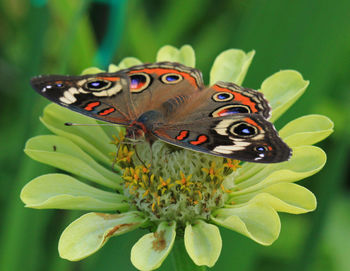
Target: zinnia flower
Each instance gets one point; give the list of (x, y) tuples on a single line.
[(182, 194)]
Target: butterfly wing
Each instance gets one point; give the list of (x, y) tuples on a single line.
[(103, 96), (221, 99), (225, 120), (122, 96), (247, 137), (151, 85)]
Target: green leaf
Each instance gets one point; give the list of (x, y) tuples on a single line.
[(91, 139), (283, 197), (151, 250), (231, 66), (126, 63), (306, 130), (255, 220), (129, 62), (247, 171), (60, 191), (282, 89), (64, 154), (92, 70), (113, 68), (91, 231), (203, 243), (185, 55), (305, 161)]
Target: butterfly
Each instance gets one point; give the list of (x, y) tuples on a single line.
[(169, 101)]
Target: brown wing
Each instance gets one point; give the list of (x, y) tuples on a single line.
[(152, 85), (246, 137), (224, 120), (220, 100), (103, 96)]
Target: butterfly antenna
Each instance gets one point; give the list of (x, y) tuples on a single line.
[(87, 124)]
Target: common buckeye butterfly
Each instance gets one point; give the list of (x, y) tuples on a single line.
[(169, 101)]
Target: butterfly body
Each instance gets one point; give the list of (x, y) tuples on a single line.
[(168, 101)]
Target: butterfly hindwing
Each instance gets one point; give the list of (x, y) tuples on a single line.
[(247, 137), (239, 99), (103, 96), (220, 100)]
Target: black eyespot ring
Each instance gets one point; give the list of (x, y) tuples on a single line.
[(243, 129), (171, 78), (223, 96), (230, 110), (260, 149), (97, 84), (139, 82)]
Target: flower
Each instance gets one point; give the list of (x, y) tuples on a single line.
[(189, 195)]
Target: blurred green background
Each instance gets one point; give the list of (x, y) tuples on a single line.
[(64, 37)]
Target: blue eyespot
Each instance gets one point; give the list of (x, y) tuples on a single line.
[(223, 97), (171, 78), (139, 82), (260, 149), (97, 85), (230, 110), (246, 131), (59, 85), (243, 129), (237, 109)]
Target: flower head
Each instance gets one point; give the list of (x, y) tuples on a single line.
[(169, 190)]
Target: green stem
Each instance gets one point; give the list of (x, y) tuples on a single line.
[(113, 35), (180, 259)]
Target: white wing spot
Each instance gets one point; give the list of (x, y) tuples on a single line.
[(73, 91), (101, 93), (116, 89), (222, 127), (65, 100), (69, 96), (227, 149)]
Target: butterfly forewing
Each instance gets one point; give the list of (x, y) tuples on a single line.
[(103, 96), (153, 85)]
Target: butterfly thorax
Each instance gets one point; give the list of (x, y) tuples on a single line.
[(143, 125)]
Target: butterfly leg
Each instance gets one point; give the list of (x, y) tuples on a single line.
[(138, 157), (116, 158)]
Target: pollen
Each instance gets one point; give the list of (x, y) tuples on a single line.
[(213, 172), (232, 164), (184, 187)]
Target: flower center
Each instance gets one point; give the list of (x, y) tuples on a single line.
[(176, 184)]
